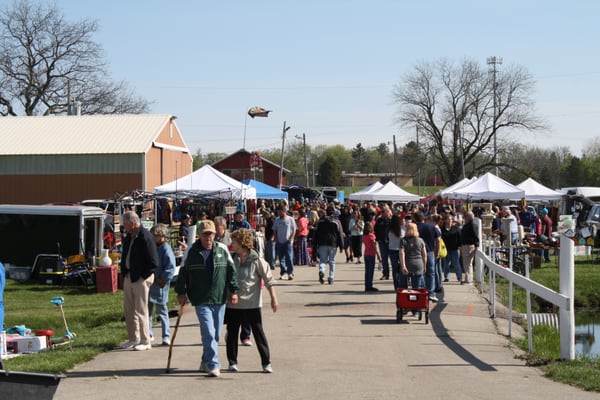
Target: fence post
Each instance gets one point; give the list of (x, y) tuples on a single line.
[(566, 267)]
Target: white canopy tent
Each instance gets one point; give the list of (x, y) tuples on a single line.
[(488, 187), (371, 188), (390, 192), (210, 182), (536, 191), (462, 183)]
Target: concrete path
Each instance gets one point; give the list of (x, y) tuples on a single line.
[(335, 342)]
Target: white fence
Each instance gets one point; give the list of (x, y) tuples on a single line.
[(562, 299)]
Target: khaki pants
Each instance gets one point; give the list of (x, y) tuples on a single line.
[(136, 309), (468, 254)]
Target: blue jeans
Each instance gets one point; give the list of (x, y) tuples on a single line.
[(369, 271), (416, 281), (162, 312), (438, 275), (430, 274), (285, 252), (270, 254), (210, 317), (453, 258), (395, 261), (327, 255), (384, 253)]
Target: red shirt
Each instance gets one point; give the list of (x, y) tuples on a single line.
[(369, 242), (302, 224)]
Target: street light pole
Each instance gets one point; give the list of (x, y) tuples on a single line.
[(285, 129), (493, 61), (462, 150)]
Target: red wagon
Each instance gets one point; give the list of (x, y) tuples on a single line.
[(415, 300)]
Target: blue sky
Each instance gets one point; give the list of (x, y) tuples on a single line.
[(328, 67)]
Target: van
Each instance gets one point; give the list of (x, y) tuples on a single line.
[(329, 193), (30, 230), (591, 192)]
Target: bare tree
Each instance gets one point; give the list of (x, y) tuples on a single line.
[(48, 63), (453, 109)]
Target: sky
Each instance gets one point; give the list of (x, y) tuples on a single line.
[(327, 68)]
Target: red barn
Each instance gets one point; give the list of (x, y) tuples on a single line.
[(250, 165)]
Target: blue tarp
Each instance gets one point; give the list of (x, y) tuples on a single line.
[(264, 191)]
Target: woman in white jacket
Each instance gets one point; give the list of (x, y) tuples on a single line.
[(252, 272)]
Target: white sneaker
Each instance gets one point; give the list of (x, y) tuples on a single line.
[(142, 347), (152, 339), (233, 368), (129, 344), (284, 277), (214, 373), (267, 369), (166, 341)]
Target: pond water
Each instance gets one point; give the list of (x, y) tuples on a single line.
[(585, 338)]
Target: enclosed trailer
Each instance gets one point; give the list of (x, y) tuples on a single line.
[(30, 230)]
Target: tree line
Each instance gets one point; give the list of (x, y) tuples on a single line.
[(554, 167), (466, 120)]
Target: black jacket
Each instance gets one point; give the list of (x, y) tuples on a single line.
[(382, 226), (451, 237), (468, 235), (328, 232), (144, 256)]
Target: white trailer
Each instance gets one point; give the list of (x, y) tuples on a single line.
[(30, 230)]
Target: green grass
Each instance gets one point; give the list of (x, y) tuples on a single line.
[(583, 372), (95, 318), (587, 287)]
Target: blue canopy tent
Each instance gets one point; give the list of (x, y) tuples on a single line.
[(264, 191)]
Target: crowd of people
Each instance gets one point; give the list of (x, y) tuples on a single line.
[(225, 266)]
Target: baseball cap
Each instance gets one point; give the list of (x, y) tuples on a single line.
[(207, 226), (186, 216), (544, 211)]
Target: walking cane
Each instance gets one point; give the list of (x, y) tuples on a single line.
[(181, 311)]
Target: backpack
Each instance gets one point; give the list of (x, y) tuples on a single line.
[(443, 252)]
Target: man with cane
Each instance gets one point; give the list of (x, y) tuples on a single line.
[(207, 278)]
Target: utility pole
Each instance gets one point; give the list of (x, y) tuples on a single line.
[(419, 161), (493, 61), (305, 164), (395, 162), (285, 129)]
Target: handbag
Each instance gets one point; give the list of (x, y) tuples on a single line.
[(443, 252)]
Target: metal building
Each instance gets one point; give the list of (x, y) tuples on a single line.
[(56, 159)]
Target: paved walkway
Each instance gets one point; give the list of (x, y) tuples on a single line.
[(335, 342)]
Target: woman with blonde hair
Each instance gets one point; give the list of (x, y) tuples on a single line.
[(252, 270), (413, 258)]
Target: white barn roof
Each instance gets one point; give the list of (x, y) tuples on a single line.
[(81, 134)]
